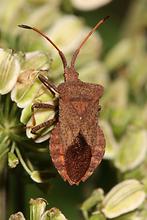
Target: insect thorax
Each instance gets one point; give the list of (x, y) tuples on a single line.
[(73, 90)]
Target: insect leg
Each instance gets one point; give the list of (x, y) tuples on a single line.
[(48, 84), (42, 125), (39, 105)]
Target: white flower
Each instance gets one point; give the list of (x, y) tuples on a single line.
[(9, 70), (86, 5)]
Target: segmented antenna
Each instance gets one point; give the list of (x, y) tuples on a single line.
[(48, 39), (85, 39), (74, 57)]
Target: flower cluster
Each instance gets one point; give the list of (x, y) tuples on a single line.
[(122, 72)]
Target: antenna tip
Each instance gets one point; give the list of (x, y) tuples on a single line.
[(24, 26), (105, 18)]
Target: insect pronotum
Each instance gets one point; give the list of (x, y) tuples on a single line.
[(77, 142)]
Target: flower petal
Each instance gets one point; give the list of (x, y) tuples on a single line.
[(89, 5), (9, 70), (124, 197), (134, 144)]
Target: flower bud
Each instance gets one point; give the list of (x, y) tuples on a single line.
[(123, 198)]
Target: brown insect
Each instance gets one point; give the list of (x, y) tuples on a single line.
[(77, 142)]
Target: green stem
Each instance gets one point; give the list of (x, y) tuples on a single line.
[(3, 189), (13, 147), (4, 152), (22, 161)]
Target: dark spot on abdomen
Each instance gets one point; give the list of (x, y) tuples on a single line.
[(77, 158)]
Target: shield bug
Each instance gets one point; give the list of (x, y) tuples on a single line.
[(77, 142)]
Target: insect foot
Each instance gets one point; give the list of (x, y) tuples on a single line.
[(77, 143)]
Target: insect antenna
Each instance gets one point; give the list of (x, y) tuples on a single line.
[(48, 39), (85, 39)]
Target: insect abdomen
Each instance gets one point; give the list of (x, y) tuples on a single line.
[(77, 159)]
